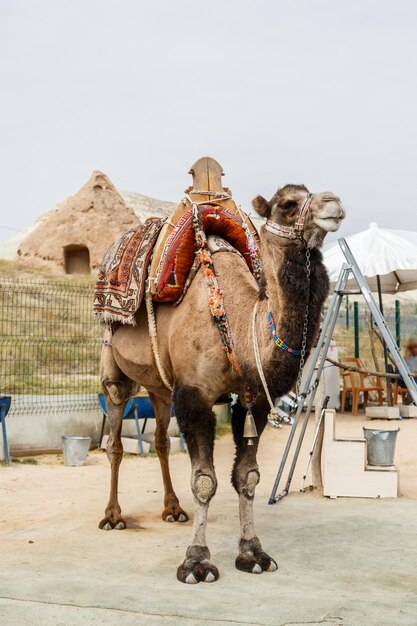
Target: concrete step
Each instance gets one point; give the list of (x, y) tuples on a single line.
[(175, 442), (129, 445), (408, 410), (383, 412)]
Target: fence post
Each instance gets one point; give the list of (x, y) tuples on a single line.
[(356, 327), (398, 323), (347, 312)]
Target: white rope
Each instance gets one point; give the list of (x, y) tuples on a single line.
[(243, 216), (273, 414), (191, 201), (154, 341), (219, 195)]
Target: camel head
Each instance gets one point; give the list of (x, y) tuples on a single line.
[(295, 213)]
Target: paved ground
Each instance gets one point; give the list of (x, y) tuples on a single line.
[(345, 561)]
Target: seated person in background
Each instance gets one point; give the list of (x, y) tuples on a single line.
[(410, 356)]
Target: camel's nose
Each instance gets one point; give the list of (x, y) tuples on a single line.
[(333, 208)]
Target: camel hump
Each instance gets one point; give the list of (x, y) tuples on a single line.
[(207, 175)]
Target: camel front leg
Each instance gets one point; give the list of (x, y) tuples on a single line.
[(117, 390), (197, 422), (172, 511), (245, 477)]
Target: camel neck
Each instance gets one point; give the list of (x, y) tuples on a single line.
[(287, 286), (287, 293)]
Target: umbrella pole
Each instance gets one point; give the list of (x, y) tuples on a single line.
[(381, 308)]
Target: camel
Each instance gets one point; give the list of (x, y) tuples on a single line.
[(196, 366)]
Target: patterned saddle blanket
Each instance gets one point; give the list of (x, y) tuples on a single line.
[(121, 282)]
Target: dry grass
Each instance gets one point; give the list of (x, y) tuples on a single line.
[(49, 340), (15, 269), (222, 429)]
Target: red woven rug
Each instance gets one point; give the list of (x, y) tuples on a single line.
[(121, 280)]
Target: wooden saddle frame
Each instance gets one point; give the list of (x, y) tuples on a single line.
[(207, 188)]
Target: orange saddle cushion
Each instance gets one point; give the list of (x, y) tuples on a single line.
[(180, 247)]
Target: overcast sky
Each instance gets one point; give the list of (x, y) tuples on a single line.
[(306, 91)]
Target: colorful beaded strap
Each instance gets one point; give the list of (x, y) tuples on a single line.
[(277, 340), (215, 294)]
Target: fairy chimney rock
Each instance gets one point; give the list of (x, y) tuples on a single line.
[(74, 236)]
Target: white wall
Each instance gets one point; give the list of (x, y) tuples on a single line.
[(37, 433), (31, 433)]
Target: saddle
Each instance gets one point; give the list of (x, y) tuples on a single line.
[(175, 248), (164, 250)]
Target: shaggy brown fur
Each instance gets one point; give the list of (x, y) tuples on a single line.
[(194, 361)]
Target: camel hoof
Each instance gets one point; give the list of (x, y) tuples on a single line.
[(191, 580), (113, 521), (174, 514), (252, 559), (255, 563), (197, 567)]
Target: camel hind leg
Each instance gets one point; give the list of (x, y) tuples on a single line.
[(172, 511), (117, 390), (245, 477)]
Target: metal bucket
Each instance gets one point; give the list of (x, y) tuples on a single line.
[(380, 446), (75, 449)]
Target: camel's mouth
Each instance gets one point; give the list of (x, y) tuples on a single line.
[(331, 215), (329, 224)]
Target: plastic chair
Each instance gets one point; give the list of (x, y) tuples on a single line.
[(136, 408), (399, 391), (355, 383), (143, 409), (5, 402)]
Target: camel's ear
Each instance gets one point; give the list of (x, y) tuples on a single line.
[(262, 206)]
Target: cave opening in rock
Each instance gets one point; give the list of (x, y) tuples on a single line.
[(76, 259)]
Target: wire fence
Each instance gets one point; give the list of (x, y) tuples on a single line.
[(49, 345), (401, 320)]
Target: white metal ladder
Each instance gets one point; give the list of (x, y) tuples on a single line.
[(319, 358)]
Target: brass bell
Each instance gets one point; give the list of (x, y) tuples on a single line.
[(249, 431)]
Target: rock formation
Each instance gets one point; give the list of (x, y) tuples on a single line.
[(75, 235)]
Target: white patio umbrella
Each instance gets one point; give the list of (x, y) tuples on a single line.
[(388, 260), (389, 254)]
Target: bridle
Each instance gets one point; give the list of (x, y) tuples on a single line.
[(295, 231)]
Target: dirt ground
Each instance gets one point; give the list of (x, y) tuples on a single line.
[(346, 561)]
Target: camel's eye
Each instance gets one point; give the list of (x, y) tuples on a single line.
[(289, 206)]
